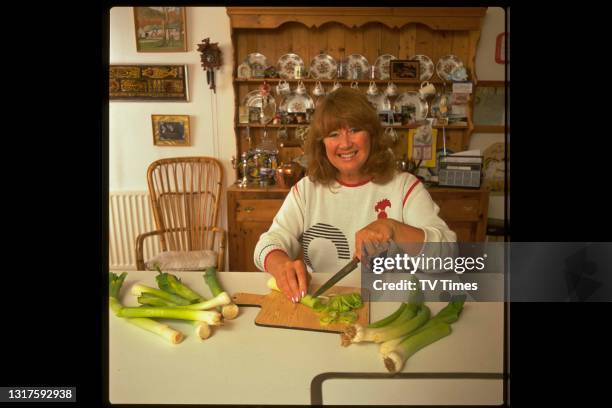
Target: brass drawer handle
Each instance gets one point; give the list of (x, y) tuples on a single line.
[(249, 209)]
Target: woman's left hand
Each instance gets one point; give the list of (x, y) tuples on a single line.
[(377, 232)]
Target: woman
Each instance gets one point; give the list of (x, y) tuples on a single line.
[(352, 196)]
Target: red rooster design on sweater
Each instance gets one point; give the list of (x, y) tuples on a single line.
[(380, 208)]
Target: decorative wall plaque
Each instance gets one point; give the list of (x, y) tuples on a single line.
[(148, 82)]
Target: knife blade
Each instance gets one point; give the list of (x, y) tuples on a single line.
[(348, 268)]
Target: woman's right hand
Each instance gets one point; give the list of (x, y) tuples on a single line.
[(291, 278)]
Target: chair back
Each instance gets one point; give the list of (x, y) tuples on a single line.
[(185, 194)]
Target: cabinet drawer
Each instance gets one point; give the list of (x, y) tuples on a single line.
[(460, 209), (257, 210)]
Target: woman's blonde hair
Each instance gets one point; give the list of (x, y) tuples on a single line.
[(347, 108)]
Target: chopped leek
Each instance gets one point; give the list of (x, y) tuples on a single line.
[(335, 309)]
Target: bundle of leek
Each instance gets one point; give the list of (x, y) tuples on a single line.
[(173, 295), (397, 351), (115, 282), (407, 330), (407, 318)]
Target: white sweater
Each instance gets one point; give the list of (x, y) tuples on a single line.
[(323, 220)]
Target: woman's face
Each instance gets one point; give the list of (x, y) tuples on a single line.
[(348, 150)]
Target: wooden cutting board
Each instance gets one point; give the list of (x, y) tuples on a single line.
[(278, 311)]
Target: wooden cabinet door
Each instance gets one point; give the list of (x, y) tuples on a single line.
[(464, 212), (249, 231), (252, 217), (466, 231)]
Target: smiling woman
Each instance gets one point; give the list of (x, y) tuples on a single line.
[(351, 197), (346, 131)]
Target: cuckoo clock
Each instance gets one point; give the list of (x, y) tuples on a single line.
[(211, 60)]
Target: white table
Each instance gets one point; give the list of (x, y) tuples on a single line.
[(242, 363)]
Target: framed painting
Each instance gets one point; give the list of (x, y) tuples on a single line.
[(490, 107), (148, 83), (404, 69), (170, 130), (160, 29)]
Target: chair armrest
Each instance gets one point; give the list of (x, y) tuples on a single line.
[(221, 252), (140, 264)]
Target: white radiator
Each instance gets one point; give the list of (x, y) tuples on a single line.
[(130, 215)]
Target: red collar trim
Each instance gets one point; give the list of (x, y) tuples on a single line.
[(354, 185)]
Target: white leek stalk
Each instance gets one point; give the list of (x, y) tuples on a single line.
[(229, 310), (220, 300)]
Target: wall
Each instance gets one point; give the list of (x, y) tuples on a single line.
[(131, 147), (488, 70)]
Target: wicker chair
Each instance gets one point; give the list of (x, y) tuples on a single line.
[(185, 194)]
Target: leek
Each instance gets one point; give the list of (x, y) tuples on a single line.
[(395, 352), (229, 310), (395, 360), (404, 320), (168, 333), (148, 299), (307, 300), (221, 299), (405, 323), (449, 314), (202, 329), (171, 284), (139, 290), (387, 320), (210, 317)]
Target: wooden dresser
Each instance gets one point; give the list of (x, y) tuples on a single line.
[(339, 32), (251, 211)]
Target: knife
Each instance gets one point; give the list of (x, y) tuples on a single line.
[(339, 275)]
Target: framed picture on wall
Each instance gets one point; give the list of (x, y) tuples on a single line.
[(170, 130), (148, 83), (160, 29), (490, 107), (404, 69)]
